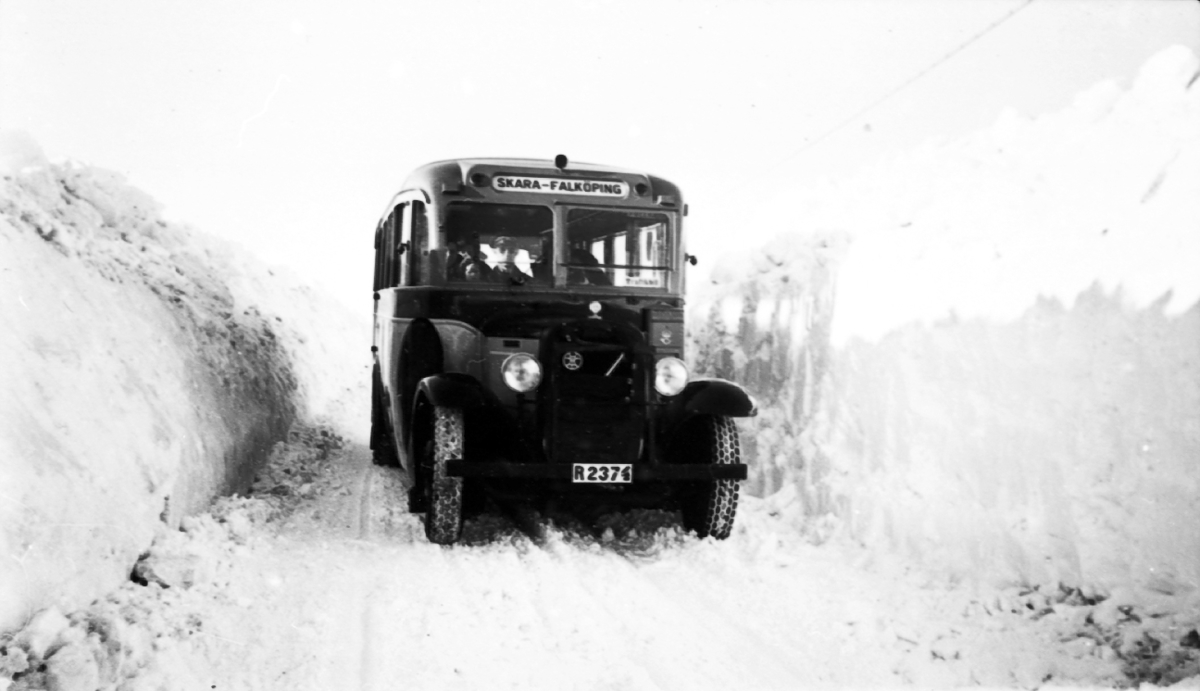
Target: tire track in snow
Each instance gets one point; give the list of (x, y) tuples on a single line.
[(652, 601), (685, 637), (526, 601), (364, 502), (368, 628), (365, 664), (360, 625)]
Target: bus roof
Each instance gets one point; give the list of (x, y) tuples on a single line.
[(483, 179)]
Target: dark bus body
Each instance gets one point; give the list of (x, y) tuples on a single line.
[(529, 345)]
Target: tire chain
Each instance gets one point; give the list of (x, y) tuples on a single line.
[(721, 507), (443, 520)]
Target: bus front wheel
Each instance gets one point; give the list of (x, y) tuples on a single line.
[(711, 511), (443, 511)]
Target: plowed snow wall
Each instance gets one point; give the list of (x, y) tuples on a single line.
[(767, 327), (132, 388), (985, 354), (1062, 447)]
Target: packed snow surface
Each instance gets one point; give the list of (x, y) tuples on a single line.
[(319, 582)]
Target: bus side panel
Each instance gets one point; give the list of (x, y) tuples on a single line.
[(387, 340), (383, 337)]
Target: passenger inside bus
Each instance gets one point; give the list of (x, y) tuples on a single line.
[(587, 275), (543, 264), (499, 243), (466, 261)]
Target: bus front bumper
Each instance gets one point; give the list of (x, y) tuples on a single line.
[(563, 471)]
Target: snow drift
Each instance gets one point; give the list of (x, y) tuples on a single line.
[(983, 354), (146, 369)]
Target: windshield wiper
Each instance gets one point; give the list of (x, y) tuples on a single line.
[(614, 365)]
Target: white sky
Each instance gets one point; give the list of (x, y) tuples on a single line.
[(286, 125)]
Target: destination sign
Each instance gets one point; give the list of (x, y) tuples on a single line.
[(589, 188)]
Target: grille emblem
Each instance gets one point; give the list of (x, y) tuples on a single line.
[(665, 336), (572, 360)]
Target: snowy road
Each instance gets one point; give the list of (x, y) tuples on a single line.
[(339, 589), (321, 581), (350, 595)]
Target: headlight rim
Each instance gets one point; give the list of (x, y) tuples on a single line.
[(681, 373), (509, 381)]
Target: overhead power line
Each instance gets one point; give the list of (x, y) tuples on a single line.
[(905, 84)]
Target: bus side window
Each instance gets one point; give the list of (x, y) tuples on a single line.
[(391, 265), (379, 253), (400, 254), (418, 244)]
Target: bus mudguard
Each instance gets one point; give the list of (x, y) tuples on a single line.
[(420, 355), (709, 397), (453, 390)]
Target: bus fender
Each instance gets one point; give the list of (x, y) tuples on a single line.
[(709, 397), (452, 390), (420, 356)]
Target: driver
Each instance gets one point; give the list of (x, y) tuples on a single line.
[(506, 266)]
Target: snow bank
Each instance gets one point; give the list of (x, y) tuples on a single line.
[(146, 369), (991, 357)]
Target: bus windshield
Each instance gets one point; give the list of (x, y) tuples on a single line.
[(618, 248), (499, 243)]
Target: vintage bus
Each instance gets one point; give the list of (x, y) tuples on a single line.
[(529, 346)]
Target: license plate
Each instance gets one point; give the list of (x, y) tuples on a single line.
[(602, 472)]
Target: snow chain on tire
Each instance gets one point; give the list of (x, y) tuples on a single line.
[(712, 513), (443, 518)]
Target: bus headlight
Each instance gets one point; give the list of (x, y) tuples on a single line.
[(670, 376), (522, 373)]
